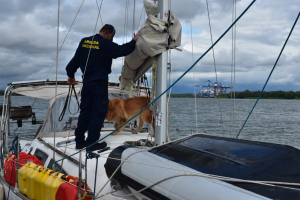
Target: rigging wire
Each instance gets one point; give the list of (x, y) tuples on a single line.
[(196, 110), (224, 33), (57, 51), (99, 8), (133, 20), (127, 8), (211, 39), (125, 27), (233, 70), (99, 11), (91, 45), (66, 36), (169, 98), (138, 27), (234, 60), (170, 91), (270, 74)]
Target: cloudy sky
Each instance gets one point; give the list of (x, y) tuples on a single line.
[(29, 34)]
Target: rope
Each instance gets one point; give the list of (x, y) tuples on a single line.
[(99, 8), (122, 164), (126, 13), (169, 98), (116, 172), (62, 162), (196, 110), (270, 74), (233, 69), (125, 27), (215, 67), (99, 11), (91, 45), (83, 196), (15, 155), (153, 107), (54, 134), (67, 103), (168, 121), (154, 77), (167, 88), (91, 155), (199, 174), (66, 37), (133, 20), (140, 18)]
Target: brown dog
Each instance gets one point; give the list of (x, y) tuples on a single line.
[(121, 110)]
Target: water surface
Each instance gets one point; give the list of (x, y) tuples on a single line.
[(275, 121)]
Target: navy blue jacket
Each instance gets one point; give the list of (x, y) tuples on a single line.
[(100, 58)]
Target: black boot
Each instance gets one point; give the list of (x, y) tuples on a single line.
[(81, 145), (97, 146)]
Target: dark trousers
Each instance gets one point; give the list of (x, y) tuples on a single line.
[(93, 108)]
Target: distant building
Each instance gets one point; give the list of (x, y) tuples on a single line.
[(213, 89)]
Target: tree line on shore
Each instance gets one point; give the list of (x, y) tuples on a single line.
[(265, 95), (251, 95)]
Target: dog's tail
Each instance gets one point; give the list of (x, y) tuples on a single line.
[(141, 124)]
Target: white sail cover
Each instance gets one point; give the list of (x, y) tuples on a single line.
[(155, 38)]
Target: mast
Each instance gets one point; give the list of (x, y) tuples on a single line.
[(161, 83)]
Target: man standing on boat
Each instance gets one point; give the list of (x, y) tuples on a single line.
[(94, 57)]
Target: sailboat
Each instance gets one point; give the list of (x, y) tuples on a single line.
[(199, 166)]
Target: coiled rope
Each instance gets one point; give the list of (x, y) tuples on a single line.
[(269, 74)]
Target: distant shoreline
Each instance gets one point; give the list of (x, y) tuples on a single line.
[(238, 95), (249, 95)]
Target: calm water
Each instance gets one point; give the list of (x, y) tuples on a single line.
[(275, 121)]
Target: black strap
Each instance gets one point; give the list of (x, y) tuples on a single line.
[(148, 92), (67, 103)]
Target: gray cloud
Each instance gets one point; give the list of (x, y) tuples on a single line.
[(28, 38)]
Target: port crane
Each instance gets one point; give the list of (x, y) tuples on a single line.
[(216, 88)]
